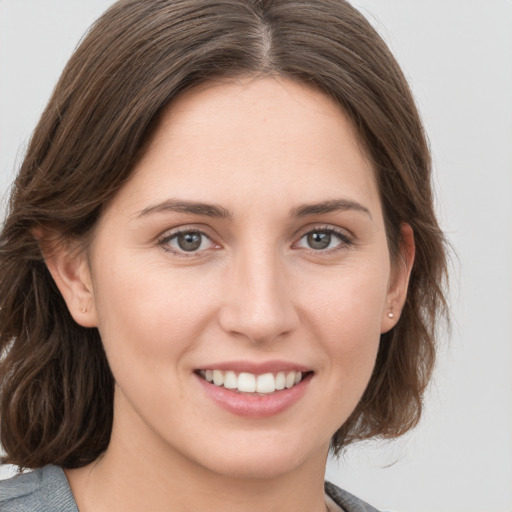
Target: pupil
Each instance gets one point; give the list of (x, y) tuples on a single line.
[(189, 241), (319, 240)]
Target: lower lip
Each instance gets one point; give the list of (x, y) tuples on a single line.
[(255, 406)]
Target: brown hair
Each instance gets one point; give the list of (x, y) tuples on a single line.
[(56, 386)]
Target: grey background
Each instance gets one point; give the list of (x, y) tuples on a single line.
[(457, 55)]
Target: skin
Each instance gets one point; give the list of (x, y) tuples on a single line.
[(259, 149)]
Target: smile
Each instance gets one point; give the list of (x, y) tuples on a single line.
[(245, 382)]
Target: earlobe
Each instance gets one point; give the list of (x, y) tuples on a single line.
[(397, 292), (71, 274)]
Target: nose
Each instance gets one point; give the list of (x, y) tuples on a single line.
[(258, 304)]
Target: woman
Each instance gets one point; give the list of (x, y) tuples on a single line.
[(220, 261)]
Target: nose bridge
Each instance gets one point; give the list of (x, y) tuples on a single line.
[(259, 304)]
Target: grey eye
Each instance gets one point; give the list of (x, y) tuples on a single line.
[(319, 240), (189, 241), (324, 240)]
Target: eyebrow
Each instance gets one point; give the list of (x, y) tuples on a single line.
[(217, 211), (192, 207), (329, 207)]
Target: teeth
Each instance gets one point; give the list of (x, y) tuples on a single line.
[(218, 377), (230, 380), (280, 381), (249, 383), (265, 383), (290, 379)]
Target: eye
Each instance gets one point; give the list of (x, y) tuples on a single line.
[(324, 239), (187, 241)]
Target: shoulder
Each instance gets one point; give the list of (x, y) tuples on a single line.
[(348, 502), (42, 490)]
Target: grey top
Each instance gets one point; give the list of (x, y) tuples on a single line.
[(41, 490), (47, 490)]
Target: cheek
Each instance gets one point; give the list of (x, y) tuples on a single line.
[(349, 321), (149, 317), (347, 316)]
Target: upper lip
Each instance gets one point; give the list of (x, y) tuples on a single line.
[(257, 368)]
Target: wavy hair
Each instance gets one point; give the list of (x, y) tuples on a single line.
[(56, 386)]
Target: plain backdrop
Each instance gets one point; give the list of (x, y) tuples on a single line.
[(457, 55)]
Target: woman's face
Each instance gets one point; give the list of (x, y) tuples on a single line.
[(248, 246)]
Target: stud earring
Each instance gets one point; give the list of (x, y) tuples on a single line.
[(391, 315), (83, 310)]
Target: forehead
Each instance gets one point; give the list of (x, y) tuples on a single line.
[(254, 139)]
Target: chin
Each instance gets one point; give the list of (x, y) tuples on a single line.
[(260, 459), (257, 467)]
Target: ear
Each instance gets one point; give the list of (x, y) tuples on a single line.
[(71, 273), (400, 274)]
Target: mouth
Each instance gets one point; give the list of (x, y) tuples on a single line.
[(253, 384)]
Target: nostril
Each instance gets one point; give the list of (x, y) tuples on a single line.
[(258, 325)]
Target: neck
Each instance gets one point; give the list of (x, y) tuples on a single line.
[(129, 477)]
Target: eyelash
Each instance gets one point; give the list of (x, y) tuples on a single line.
[(345, 241), (165, 240)]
